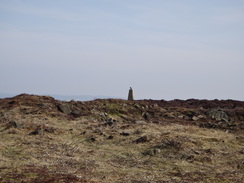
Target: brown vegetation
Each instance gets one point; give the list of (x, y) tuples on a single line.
[(45, 140)]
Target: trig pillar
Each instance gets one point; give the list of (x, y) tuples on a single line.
[(131, 94)]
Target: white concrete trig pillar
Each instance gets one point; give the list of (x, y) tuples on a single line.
[(131, 94)]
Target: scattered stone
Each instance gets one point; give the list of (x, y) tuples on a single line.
[(13, 131), (65, 108), (14, 124), (186, 118), (137, 132), (219, 115), (50, 130), (207, 125), (208, 150), (83, 133), (40, 129), (76, 112), (190, 114), (162, 110), (103, 115), (145, 115), (137, 106), (110, 122), (180, 117), (151, 152), (240, 165), (37, 131), (188, 157), (12, 102), (194, 118), (110, 137), (93, 139), (169, 115), (201, 116), (140, 122), (156, 151), (142, 139), (124, 134), (155, 106)]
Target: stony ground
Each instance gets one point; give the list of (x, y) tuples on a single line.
[(45, 140)]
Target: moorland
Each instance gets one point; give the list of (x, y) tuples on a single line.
[(113, 140)]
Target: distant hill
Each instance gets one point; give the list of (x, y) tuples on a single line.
[(66, 97)]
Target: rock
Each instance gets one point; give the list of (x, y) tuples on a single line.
[(12, 102), (207, 125), (180, 117), (151, 152), (145, 115), (140, 122), (50, 129), (65, 108), (142, 139), (110, 137), (219, 115), (76, 112), (137, 106), (169, 115), (83, 133), (41, 129), (93, 139), (124, 134), (37, 131), (188, 157), (194, 118), (156, 151), (103, 115), (14, 124), (190, 113), (201, 117), (155, 105), (110, 122), (162, 110)]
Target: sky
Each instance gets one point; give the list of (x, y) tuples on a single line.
[(163, 49)]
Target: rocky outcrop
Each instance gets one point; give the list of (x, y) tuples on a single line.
[(219, 115), (12, 124), (65, 108), (110, 112)]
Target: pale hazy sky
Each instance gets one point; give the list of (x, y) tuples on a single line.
[(163, 49)]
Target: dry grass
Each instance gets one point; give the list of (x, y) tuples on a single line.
[(87, 149), (171, 153)]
